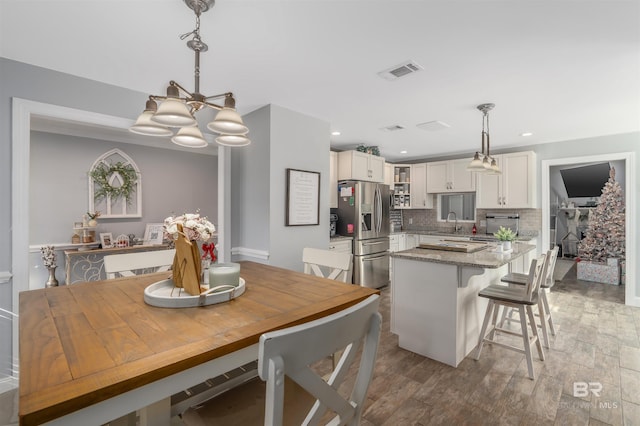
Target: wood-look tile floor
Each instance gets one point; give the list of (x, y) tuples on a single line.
[(597, 340)]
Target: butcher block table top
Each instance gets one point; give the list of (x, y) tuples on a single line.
[(450, 245), (86, 343)]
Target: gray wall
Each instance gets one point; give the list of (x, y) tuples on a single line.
[(282, 139)]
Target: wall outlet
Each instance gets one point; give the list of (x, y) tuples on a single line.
[(410, 221)]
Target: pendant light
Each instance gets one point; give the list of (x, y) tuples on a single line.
[(179, 111), (483, 162)]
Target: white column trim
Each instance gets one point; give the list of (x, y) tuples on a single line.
[(5, 277)]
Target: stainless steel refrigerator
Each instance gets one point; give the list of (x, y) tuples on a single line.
[(363, 213)]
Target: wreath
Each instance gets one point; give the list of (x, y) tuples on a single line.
[(101, 175)]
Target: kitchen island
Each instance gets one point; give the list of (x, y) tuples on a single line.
[(435, 308)]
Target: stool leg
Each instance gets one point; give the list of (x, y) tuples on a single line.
[(545, 303), (527, 343), (494, 321), (543, 324), (534, 329), (485, 324)]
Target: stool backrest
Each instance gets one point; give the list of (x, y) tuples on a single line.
[(537, 273), (553, 256)]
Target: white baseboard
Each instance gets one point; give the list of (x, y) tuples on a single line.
[(247, 252)]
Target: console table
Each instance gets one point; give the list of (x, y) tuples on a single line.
[(89, 266)]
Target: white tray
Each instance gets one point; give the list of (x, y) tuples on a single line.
[(164, 294)]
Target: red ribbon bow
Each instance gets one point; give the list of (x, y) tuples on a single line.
[(209, 251)]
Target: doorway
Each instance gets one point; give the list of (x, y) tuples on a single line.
[(631, 292)]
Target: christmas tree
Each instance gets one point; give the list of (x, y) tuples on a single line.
[(605, 236)]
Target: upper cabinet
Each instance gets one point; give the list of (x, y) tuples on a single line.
[(419, 197), (410, 187), (333, 180), (450, 176), (388, 175), (358, 165), (514, 188)]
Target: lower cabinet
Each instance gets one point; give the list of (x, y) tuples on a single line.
[(342, 246)]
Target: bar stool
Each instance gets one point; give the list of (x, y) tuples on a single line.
[(546, 322), (523, 301)]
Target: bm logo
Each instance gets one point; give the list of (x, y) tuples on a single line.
[(582, 389)]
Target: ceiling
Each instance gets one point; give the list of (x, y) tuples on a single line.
[(560, 69)]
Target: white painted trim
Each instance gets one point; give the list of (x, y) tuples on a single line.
[(5, 277), (632, 297), (244, 251)]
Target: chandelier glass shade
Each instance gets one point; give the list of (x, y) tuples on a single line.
[(482, 161), (177, 109)]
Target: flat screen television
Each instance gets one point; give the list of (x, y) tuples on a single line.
[(585, 181)]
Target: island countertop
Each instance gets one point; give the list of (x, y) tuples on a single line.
[(486, 258)]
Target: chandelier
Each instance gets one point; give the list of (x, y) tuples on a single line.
[(486, 164), (178, 107)]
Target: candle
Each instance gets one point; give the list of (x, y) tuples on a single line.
[(224, 273)]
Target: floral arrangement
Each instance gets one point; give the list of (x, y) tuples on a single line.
[(194, 227), (48, 256), (94, 215), (505, 234), (101, 175)]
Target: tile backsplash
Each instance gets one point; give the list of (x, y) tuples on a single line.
[(427, 219)]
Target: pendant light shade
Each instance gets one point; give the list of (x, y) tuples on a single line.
[(173, 112), (228, 122), (233, 140), (190, 137), (145, 126), (476, 164), (488, 164)]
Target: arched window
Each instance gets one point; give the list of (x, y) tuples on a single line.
[(115, 186)]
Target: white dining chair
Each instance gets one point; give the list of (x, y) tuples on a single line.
[(126, 264), (328, 264), (291, 392)]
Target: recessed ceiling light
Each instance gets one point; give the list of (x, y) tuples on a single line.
[(403, 152), (335, 133), (526, 134)]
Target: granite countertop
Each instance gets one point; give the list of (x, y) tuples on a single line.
[(524, 236), (486, 258)]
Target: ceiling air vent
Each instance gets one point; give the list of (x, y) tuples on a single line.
[(401, 70), (392, 128), (433, 126)]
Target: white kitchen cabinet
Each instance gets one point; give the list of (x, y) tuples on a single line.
[(411, 241), (449, 176), (341, 246), (514, 188), (333, 179), (388, 175), (419, 197), (394, 243), (358, 165)]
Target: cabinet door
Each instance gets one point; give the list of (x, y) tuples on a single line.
[(419, 198), (437, 177), (402, 242), (462, 180), (333, 179), (360, 166), (518, 183), (376, 169), (388, 175), (489, 190), (412, 241)]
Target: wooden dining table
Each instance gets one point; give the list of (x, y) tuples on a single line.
[(93, 352)]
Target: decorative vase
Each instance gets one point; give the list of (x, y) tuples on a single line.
[(506, 245), (93, 223), (52, 281)]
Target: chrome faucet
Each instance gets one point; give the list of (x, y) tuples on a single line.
[(455, 217)]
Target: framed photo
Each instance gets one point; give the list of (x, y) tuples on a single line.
[(303, 198), (153, 234), (77, 225), (106, 239)]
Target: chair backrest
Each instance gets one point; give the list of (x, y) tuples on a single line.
[(553, 256), (292, 350), (145, 261), (537, 273), (337, 265)]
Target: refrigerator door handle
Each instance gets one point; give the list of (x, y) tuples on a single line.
[(373, 244), (371, 259), (379, 208)]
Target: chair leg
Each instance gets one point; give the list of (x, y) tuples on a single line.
[(483, 332), (543, 325), (545, 303), (527, 342), (534, 329)]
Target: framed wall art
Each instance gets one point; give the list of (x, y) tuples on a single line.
[(303, 198), (153, 234)]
